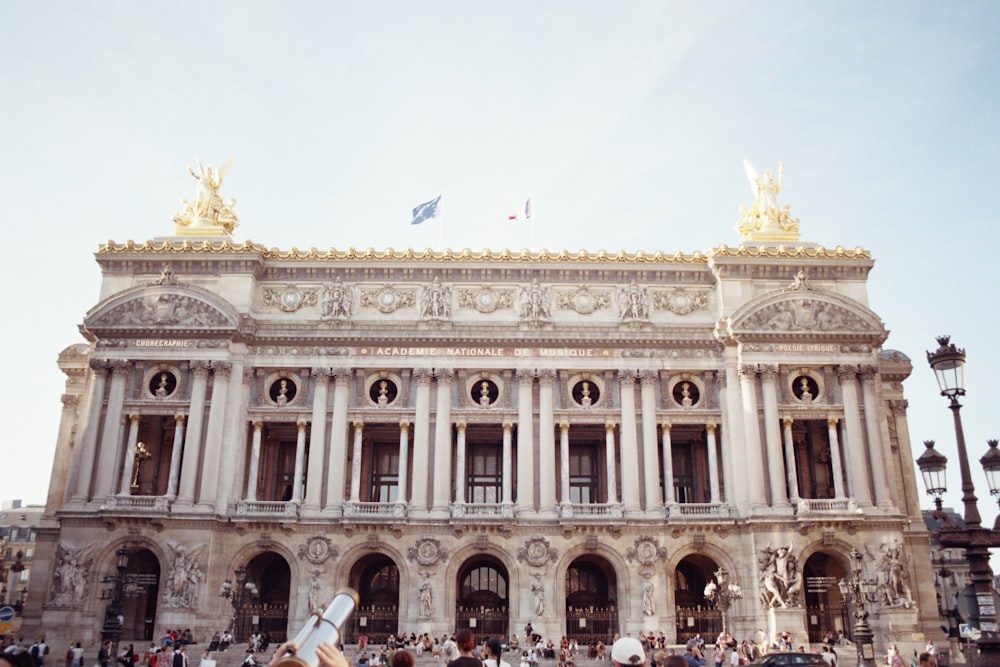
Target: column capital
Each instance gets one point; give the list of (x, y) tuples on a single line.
[(648, 378), (444, 375), (199, 367), (769, 372), (120, 367), (98, 365), (508, 426), (899, 406), (748, 371), (258, 426), (301, 424), (788, 421), (179, 419), (610, 425), (134, 419), (422, 375), (320, 374), (524, 374), (666, 426), (720, 380), (626, 377), (846, 372), (70, 400), (868, 372), (404, 425), (248, 375), (564, 425), (358, 425), (461, 425), (222, 369), (831, 422), (711, 427), (546, 376)]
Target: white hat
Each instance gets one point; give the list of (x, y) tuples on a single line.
[(628, 651)]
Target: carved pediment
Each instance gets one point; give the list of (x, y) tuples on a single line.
[(163, 308), (812, 312)]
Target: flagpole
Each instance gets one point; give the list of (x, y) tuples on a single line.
[(440, 217), (531, 221)]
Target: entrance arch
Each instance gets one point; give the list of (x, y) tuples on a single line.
[(694, 613), (483, 601), (376, 579), (591, 608), (273, 577), (824, 603), (139, 606)]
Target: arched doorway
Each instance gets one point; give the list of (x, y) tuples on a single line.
[(826, 611), (482, 598), (376, 579), (695, 614), (591, 609), (141, 593), (269, 611)]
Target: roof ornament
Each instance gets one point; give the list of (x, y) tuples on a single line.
[(207, 214), (766, 221)]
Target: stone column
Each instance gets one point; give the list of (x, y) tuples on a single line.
[(546, 446), (881, 461), (734, 437), (835, 461), (421, 443), (175, 456), (133, 438), (258, 428), (111, 441), (629, 448), (337, 462), (356, 461), (442, 470), (82, 470), (508, 462), (564, 462), (61, 486), (668, 465), (857, 479), (525, 443), (609, 461), (647, 383), (234, 437), (404, 462), (215, 434), (772, 436), (726, 441), (461, 478), (191, 462), (754, 456), (713, 465), (317, 436), (791, 466), (300, 461)]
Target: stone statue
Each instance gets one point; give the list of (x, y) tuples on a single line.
[(806, 395), (435, 301), (892, 579), (648, 606), (69, 583), (538, 591), (184, 578), (383, 394), (535, 306), (765, 219), (686, 401), (161, 389), (484, 394), (780, 578), (426, 595), (282, 399), (315, 590), (633, 303), (207, 210), (336, 301), (585, 399)]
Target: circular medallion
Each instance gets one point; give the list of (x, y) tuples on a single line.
[(290, 300), (387, 298), (486, 301), (583, 302)]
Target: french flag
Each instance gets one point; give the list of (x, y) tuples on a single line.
[(522, 213)]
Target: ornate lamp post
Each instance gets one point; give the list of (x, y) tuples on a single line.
[(859, 591), (948, 363), (113, 619), (238, 596), (722, 592)]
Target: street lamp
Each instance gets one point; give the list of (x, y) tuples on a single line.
[(238, 596), (859, 591), (113, 618), (722, 592), (948, 364)]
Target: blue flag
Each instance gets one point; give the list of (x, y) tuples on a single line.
[(426, 211)]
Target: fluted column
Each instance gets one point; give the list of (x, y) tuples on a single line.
[(668, 465), (791, 466), (857, 465), (754, 455), (356, 462), (564, 462), (421, 442), (254, 472), (881, 463), (234, 437), (404, 462), (734, 434), (772, 436), (835, 460), (82, 472), (609, 461), (337, 462), (222, 372), (629, 444), (300, 461), (442, 470), (525, 443), (191, 461), (133, 439), (713, 465), (650, 469), (546, 446), (508, 462), (111, 440), (317, 436), (461, 478), (61, 487), (175, 456)]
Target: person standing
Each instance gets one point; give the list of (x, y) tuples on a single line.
[(491, 654), (627, 652), (465, 640)]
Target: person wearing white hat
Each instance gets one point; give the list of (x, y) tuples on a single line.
[(627, 652)]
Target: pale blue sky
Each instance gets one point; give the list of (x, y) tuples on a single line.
[(626, 121)]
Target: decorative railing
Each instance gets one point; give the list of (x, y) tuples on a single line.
[(483, 510), (596, 510), (266, 508), (387, 510), (839, 505), (136, 503), (698, 510)]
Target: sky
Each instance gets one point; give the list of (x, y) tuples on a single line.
[(627, 124)]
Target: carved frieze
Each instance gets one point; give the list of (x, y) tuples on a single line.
[(537, 552), (71, 578), (435, 301), (388, 299), (804, 315), (318, 549), (680, 301), (633, 303), (486, 299), (290, 298), (336, 301), (646, 550), (427, 551), (185, 576), (161, 310), (583, 300), (535, 303)]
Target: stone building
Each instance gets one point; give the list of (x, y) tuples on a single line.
[(589, 442)]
